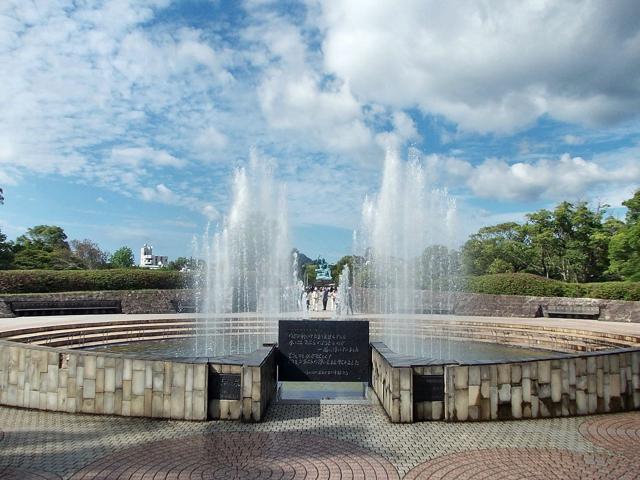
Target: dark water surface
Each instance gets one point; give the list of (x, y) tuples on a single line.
[(432, 348)]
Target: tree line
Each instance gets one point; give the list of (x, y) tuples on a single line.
[(572, 242), (47, 247)]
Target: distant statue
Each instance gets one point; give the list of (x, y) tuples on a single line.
[(323, 272)]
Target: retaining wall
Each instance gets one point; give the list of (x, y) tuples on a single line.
[(76, 381), (392, 383), (71, 381), (132, 301), (258, 386), (569, 385), (160, 301), (595, 383), (461, 303)]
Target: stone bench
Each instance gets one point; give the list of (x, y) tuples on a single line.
[(571, 311), (22, 308)]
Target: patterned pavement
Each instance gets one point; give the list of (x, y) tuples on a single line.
[(314, 442)]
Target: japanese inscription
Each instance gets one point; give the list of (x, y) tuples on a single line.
[(323, 350)]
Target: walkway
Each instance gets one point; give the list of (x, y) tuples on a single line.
[(313, 442)]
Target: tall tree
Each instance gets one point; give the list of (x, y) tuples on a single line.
[(45, 237), (6, 252), (122, 258), (624, 247), (497, 249), (44, 246), (89, 253)]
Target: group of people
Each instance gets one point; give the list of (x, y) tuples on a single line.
[(320, 298)]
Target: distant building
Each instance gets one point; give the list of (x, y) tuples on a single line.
[(149, 260)]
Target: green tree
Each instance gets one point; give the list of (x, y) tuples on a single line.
[(183, 263), (122, 258), (44, 246), (624, 246), (539, 237), (570, 242), (44, 237), (6, 252), (336, 269), (309, 276), (504, 242)]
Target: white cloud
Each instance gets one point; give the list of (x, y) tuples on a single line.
[(143, 156), (160, 193), (211, 139), (7, 179), (489, 66), (79, 78), (296, 96), (546, 179), (404, 129), (573, 140)]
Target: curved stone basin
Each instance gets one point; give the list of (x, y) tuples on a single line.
[(595, 368)]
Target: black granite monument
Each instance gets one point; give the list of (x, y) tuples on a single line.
[(323, 351)]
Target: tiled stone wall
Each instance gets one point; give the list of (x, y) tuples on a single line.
[(394, 387), (595, 383), (426, 410), (70, 381), (132, 301), (160, 301), (462, 303), (257, 390), (259, 387)]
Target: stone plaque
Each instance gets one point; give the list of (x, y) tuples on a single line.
[(224, 386), (323, 350), (428, 388)]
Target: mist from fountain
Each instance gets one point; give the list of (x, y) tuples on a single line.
[(405, 244), (343, 296), (250, 276)]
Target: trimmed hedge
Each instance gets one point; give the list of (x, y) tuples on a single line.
[(43, 281), (536, 286)]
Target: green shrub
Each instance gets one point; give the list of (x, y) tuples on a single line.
[(515, 284), (533, 285), (613, 290), (42, 281)]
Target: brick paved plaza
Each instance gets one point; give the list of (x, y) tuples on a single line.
[(313, 442)]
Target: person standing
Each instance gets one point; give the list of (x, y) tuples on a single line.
[(325, 298), (331, 306)]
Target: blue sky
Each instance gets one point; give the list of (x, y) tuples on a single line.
[(122, 121)]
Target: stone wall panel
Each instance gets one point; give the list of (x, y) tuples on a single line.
[(569, 386), (76, 381)]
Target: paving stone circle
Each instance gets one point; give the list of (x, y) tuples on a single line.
[(12, 473), (525, 463), (242, 455), (616, 433)]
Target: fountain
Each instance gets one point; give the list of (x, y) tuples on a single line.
[(250, 277), (406, 234), (427, 367)]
